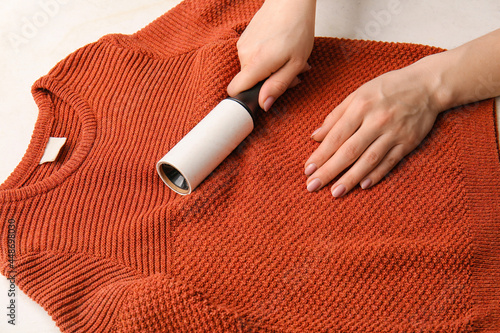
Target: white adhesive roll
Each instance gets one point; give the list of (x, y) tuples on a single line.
[(191, 160)]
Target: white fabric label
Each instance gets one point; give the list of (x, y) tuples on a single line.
[(52, 149)]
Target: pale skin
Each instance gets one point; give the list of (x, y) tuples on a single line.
[(383, 120)]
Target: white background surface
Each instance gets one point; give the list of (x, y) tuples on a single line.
[(36, 34)]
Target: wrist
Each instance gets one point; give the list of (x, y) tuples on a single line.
[(434, 72)]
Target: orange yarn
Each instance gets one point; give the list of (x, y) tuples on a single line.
[(104, 246)]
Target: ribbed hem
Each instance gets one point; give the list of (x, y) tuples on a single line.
[(482, 184)]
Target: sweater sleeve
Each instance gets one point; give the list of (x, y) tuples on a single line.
[(189, 26), (79, 291)]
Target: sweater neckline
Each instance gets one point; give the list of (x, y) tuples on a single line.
[(12, 189)]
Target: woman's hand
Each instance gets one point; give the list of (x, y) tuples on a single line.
[(373, 129), (386, 118), (275, 45)]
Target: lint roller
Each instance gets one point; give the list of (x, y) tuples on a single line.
[(193, 158)]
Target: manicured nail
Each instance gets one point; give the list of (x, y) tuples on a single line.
[(268, 103), (310, 169), (366, 183), (339, 191), (314, 185), (315, 132)]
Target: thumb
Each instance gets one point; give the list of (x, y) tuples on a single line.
[(248, 77)]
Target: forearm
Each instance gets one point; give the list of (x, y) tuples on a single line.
[(466, 74)]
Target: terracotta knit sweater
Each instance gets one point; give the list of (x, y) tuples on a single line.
[(104, 246)]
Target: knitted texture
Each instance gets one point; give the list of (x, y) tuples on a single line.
[(104, 246)]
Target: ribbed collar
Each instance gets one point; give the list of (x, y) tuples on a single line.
[(12, 189)]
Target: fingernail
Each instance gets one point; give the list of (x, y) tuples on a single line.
[(310, 169), (268, 103), (366, 183), (314, 185), (339, 191), (315, 132)]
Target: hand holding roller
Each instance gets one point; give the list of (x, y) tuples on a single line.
[(193, 158)]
